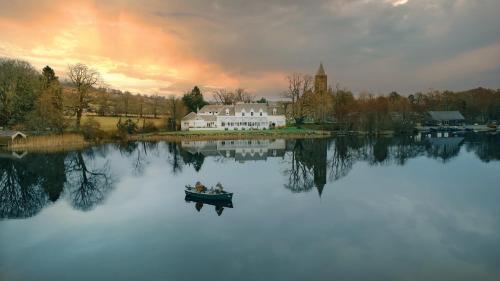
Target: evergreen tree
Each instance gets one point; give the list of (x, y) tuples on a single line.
[(48, 112), (19, 88), (194, 100)]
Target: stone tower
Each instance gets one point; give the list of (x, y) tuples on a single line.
[(320, 80)]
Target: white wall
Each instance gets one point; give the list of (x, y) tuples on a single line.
[(251, 122), (279, 120)]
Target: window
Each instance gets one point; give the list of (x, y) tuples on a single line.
[(243, 114), (251, 113), (274, 111), (260, 113), (223, 124)]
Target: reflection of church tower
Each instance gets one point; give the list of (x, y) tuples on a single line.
[(320, 80), (319, 156)]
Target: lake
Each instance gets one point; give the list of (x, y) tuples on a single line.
[(425, 207)]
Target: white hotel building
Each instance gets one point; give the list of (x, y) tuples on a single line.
[(240, 116)]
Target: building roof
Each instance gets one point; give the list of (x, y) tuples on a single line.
[(223, 110), (210, 108), (256, 107), (280, 110), (446, 115), (190, 116), (321, 70)]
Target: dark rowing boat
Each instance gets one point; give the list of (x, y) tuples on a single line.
[(211, 194)]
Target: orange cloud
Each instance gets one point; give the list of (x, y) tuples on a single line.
[(131, 51)]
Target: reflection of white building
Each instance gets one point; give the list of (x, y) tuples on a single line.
[(241, 150), (240, 116)]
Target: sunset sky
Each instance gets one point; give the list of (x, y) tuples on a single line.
[(168, 47)]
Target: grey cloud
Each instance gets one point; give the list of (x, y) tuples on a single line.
[(364, 44), (354, 39)]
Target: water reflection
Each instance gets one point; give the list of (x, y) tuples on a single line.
[(218, 204), (87, 185), (239, 150), (389, 208), (29, 182)]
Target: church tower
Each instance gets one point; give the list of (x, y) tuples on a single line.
[(320, 80)]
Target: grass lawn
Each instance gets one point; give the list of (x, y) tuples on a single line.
[(287, 130), (108, 123)]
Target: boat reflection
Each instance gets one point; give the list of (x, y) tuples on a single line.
[(200, 202)]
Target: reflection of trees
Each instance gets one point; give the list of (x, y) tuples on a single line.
[(404, 148), (395, 150), (21, 195), (196, 159), (300, 178), (51, 172), (486, 146), (127, 148), (87, 186), (345, 152), (143, 150), (174, 157), (381, 150), (444, 148), (307, 165)]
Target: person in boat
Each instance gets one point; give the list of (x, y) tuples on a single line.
[(200, 187), (219, 188)]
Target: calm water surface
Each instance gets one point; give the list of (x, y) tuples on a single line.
[(420, 208)]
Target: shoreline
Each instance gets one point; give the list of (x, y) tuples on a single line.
[(230, 135), (58, 143), (73, 141)]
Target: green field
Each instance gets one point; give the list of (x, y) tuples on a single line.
[(108, 123), (290, 132), (287, 130)]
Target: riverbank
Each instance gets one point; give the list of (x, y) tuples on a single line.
[(284, 133), (71, 141), (49, 143)]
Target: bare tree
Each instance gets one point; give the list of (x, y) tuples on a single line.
[(298, 85), (126, 96), (241, 95), (176, 110), (156, 104), (83, 79), (223, 96)]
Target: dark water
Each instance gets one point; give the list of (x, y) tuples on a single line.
[(330, 209)]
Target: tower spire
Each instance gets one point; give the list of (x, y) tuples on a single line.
[(321, 70)]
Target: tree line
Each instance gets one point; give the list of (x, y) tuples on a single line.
[(41, 101), (370, 112)]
